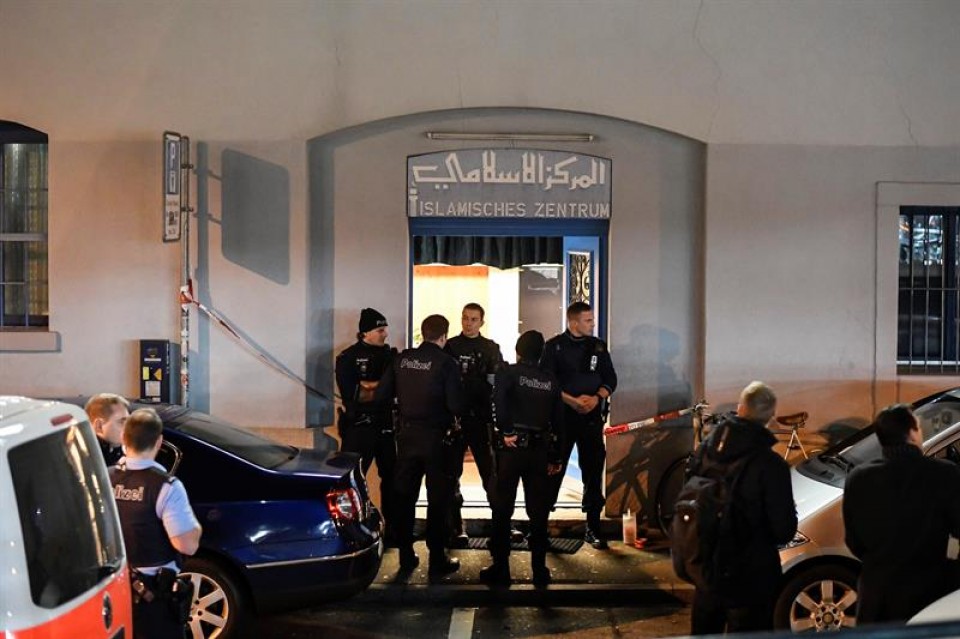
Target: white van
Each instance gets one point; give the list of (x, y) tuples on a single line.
[(63, 570)]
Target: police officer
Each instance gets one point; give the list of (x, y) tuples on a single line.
[(107, 413), (479, 359), (365, 425), (426, 383), (158, 525), (529, 414), (587, 379)]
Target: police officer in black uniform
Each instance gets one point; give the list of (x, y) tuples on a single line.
[(529, 414), (366, 426), (587, 379), (426, 383), (479, 359), (158, 526)]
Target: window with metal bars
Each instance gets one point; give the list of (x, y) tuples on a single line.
[(23, 228), (928, 330)]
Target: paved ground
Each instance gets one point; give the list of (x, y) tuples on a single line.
[(621, 592)]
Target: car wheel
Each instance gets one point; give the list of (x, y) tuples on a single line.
[(219, 606), (822, 598)]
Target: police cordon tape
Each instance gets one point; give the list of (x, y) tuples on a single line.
[(652, 421), (187, 298)]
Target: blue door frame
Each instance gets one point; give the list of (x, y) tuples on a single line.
[(581, 229)]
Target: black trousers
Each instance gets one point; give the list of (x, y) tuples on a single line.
[(371, 443), (421, 453), (155, 620), (713, 615), (475, 436), (586, 433), (514, 465)]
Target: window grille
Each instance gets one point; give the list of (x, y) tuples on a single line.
[(928, 330), (23, 228)]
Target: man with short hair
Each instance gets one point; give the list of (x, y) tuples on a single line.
[(478, 358), (158, 524), (899, 513), (365, 425), (763, 517), (587, 380), (426, 383), (107, 413)]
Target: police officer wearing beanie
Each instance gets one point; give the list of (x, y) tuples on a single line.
[(479, 358), (157, 522), (365, 425), (529, 415), (587, 379), (426, 383)]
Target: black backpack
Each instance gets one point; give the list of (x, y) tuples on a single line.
[(704, 543)]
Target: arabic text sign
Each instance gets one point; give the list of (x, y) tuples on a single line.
[(521, 183)]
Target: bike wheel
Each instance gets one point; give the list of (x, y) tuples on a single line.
[(668, 488)]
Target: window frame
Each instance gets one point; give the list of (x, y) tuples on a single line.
[(35, 271), (931, 288)]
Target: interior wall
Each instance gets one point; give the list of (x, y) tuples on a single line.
[(791, 280)]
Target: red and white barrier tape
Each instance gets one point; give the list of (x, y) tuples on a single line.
[(187, 298), (650, 421)]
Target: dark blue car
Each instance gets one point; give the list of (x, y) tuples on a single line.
[(282, 526)]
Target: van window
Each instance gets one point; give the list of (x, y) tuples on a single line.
[(71, 537)]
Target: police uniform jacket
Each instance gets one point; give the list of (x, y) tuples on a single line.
[(359, 363), (528, 399), (582, 364), (477, 357), (136, 493), (426, 383)]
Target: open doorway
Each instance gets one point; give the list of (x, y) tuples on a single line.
[(524, 282)]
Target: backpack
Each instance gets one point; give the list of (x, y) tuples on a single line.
[(704, 544)]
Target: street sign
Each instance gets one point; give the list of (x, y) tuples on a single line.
[(172, 167)]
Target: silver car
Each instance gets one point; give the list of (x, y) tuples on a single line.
[(820, 573)]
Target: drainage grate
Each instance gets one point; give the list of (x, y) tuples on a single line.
[(558, 545)]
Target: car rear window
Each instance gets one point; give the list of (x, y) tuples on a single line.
[(244, 444), (71, 537)]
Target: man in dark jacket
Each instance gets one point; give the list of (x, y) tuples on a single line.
[(107, 413), (764, 513), (529, 414), (426, 383), (587, 380), (479, 359), (899, 512), (365, 425)]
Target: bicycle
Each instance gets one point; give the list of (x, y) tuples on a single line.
[(671, 481)]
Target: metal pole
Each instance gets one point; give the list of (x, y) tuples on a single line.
[(186, 210)]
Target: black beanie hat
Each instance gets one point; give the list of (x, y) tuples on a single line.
[(530, 345), (371, 319)]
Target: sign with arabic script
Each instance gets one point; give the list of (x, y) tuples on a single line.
[(515, 183)]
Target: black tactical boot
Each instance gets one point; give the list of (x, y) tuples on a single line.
[(408, 559), (441, 564), (592, 535), (496, 574)]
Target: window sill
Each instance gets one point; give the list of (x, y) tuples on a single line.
[(29, 342)]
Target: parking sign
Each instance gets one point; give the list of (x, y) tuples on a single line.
[(171, 187)]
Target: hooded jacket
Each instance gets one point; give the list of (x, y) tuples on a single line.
[(763, 506)]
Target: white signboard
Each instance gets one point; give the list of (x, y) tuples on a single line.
[(514, 183), (171, 187)]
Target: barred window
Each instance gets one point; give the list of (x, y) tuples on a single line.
[(23, 228), (928, 331)]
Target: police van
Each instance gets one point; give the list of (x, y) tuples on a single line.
[(63, 570)]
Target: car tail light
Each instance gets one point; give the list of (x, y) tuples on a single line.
[(344, 504)]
